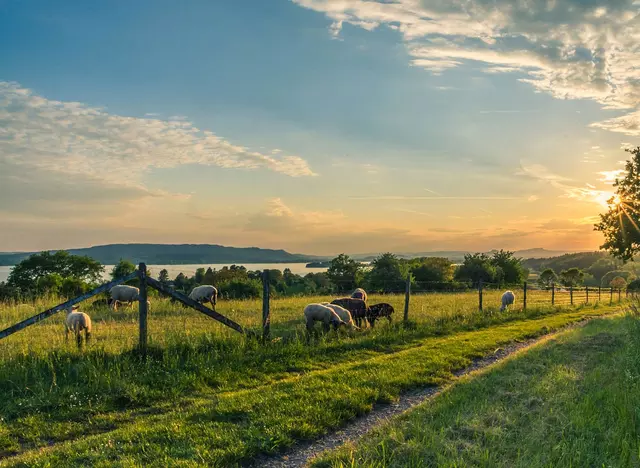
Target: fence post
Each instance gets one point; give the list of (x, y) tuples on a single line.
[(524, 297), (553, 294), (143, 307), (599, 293), (480, 295), (619, 294), (266, 313), (407, 295), (611, 296), (586, 288), (571, 294)]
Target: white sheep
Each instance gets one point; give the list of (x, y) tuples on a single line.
[(359, 293), (124, 293), (343, 313), (76, 322), (205, 293), (508, 298), (321, 313)]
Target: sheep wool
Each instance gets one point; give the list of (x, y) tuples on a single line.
[(359, 293), (76, 322), (344, 315), (204, 293), (508, 298), (321, 313)]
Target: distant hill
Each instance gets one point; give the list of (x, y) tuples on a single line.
[(168, 254), (457, 256), (582, 260)]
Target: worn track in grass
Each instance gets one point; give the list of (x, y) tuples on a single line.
[(303, 453)]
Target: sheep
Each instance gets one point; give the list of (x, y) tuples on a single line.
[(205, 293), (124, 293), (343, 313), (357, 307), (377, 311), (508, 298), (359, 293), (321, 313), (77, 321)]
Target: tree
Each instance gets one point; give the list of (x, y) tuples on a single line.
[(547, 278), (72, 287), (50, 283), (123, 268), (209, 277), (432, 270), (344, 272), (199, 276), (618, 283), (620, 224), (512, 270), (475, 268), (625, 275), (602, 267), (26, 274), (387, 274), (572, 277), (163, 276), (181, 282)]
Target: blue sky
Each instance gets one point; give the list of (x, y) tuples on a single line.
[(314, 125)]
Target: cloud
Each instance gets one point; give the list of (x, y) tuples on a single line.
[(570, 49), (609, 177), (77, 140), (406, 197)]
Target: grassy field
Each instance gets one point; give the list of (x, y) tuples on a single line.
[(208, 396), (571, 402)]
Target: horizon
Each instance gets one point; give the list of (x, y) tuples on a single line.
[(315, 126)]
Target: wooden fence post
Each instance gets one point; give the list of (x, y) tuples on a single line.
[(524, 297), (407, 295), (480, 295), (619, 294), (586, 288), (266, 312), (553, 294), (143, 307), (610, 296), (571, 294), (599, 293)]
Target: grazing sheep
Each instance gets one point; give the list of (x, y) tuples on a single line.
[(357, 307), (377, 311), (359, 294), (344, 315), (508, 298), (124, 293), (77, 321), (321, 313), (205, 293)]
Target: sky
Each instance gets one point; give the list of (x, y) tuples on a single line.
[(315, 126)]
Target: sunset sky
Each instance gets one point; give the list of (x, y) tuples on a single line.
[(315, 126)]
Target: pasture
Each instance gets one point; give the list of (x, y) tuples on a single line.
[(572, 401), (207, 395)]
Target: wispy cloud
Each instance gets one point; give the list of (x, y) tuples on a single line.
[(408, 197), (75, 139), (566, 48)]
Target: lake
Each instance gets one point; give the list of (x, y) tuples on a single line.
[(189, 270)]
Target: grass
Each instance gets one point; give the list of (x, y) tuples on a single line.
[(207, 396), (572, 402)]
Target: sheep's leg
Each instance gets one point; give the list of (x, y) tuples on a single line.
[(66, 333), (87, 335), (372, 322), (78, 337), (389, 318)]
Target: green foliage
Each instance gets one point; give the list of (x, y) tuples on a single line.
[(431, 269), (122, 269), (620, 224), (199, 276), (582, 260), (634, 285), (572, 277), (209, 277), (512, 270), (388, 274), (618, 283), (547, 278), (240, 289), (626, 275), (345, 273), (163, 276), (476, 268), (603, 266)]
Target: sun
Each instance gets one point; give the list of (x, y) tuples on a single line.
[(616, 200)]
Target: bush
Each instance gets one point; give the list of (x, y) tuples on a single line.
[(240, 289)]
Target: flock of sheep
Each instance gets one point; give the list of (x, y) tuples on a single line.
[(349, 312)]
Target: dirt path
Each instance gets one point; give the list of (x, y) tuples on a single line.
[(301, 454)]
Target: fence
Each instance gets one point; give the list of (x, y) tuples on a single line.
[(487, 293)]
